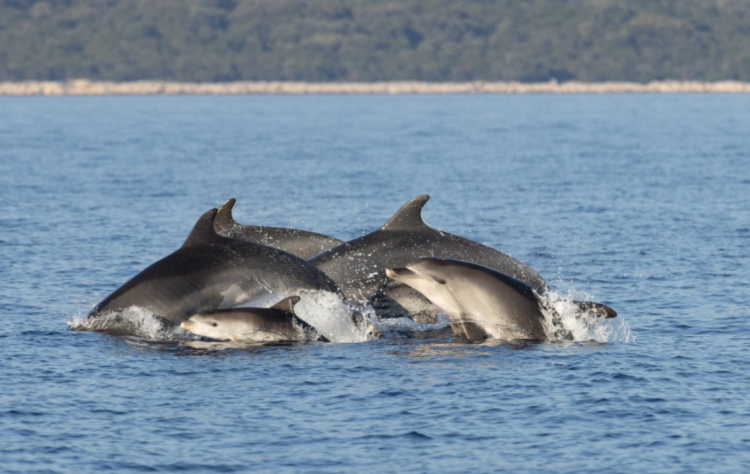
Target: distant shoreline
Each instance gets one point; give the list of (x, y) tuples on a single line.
[(82, 87)]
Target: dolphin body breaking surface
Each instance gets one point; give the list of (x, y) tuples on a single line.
[(301, 243), (480, 302), (358, 266), (212, 272), (278, 323)]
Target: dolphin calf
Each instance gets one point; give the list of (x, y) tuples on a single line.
[(275, 324), (480, 301), (278, 323), (301, 243), (212, 272), (358, 266)]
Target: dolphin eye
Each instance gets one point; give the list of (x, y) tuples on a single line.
[(214, 324), (441, 281)]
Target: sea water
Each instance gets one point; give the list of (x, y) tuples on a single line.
[(641, 202)]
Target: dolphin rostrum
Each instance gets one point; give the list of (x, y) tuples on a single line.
[(480, 302), (301, 243), (275, 324), (212, 272)]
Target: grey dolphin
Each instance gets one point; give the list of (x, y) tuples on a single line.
[(301, 243), (275, 324), (480, 302), (212, 272), (358, 266)]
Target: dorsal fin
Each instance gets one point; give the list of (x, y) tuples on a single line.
[(203, 230), (224, 221), (287, 304), (409, 216)]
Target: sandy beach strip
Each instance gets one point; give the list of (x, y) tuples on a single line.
[(86, 87)]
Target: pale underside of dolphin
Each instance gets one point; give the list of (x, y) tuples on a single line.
[(480, 301), (212, 272), (301, 243), (278, 323), (358, 266)]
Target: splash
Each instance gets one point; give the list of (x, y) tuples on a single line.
[(330, 315), (337, 319), (133, 321), (566, 321), (400, 327)]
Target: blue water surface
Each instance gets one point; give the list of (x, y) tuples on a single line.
[(641, 202)]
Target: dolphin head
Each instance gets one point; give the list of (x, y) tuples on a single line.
[(429, 269), (428, 276), (209, 325)]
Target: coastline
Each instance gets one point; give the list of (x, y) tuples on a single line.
[(85, 87)]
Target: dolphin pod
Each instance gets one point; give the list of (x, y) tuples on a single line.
[(404, 268), (359, 266)]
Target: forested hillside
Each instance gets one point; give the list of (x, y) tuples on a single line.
[(369, 40)]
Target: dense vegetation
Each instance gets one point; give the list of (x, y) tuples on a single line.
[(373, 40)]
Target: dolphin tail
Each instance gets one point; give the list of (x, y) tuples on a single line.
[(598, 309)]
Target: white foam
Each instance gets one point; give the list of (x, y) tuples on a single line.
[(399, 326), (564, 318), (133, 321), (332, 317)]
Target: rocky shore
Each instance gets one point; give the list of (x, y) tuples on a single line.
[(86, 87)]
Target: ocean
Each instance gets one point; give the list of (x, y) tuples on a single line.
[(637, 201)]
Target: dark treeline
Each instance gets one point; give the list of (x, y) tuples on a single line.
[(370, 40)]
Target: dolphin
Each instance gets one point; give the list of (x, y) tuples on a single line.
[(481, 302), (275, 324), (212, 272), (301, 243), (358, 266)]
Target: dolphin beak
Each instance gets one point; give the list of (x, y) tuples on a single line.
[(398, 273), (186, 325)]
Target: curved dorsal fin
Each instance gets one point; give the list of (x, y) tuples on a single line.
[(203, 230), (409, 216), (287, 304), (224, 221)]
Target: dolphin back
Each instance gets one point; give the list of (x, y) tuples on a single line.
[(301, 243)]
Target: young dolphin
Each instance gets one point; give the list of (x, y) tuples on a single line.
[(301, 243), (275, 324), (213, 272), (480, 302)]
